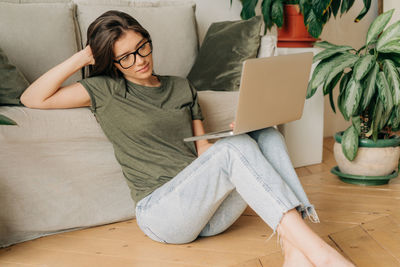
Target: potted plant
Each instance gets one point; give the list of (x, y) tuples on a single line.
[(299, 21), (368, 151), (6, 121)]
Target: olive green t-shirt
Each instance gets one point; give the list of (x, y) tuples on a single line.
[(146, 126)]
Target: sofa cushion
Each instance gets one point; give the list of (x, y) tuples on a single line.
[(174, 51), (227, 44), (70, 179), (12, 82), (38, 36), (55, 179)]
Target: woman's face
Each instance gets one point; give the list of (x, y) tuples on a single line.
[(141, 71)]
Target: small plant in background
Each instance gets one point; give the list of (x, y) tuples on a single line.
[(369, 83), (316, 12)]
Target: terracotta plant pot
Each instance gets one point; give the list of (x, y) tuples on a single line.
[(293, 32), (374, 164)]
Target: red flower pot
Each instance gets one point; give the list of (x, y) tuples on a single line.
[(293, 32)]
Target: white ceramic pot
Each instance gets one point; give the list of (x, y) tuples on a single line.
[(370, 161)]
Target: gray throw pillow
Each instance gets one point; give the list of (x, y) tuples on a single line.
[(12, 82), (226, 45)]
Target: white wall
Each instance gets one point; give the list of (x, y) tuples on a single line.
[(389, 4), (339, 31)]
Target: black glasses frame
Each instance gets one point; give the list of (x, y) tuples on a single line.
[(134, 53)]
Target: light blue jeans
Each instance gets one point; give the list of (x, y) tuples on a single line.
[(211, 193)]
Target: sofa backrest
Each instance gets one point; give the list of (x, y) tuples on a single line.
[(172, 26), (37, 35)]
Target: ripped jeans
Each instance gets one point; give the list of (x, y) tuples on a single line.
[(211, 193)]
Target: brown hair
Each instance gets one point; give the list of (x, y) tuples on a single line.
[(102, 33)]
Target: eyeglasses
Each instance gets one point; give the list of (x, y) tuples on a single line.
[(129, 60)]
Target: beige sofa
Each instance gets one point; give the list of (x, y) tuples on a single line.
[(57, 169)]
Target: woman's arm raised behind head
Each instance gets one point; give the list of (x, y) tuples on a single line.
[(45, 92)]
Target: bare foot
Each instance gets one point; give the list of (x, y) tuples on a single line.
[(331, 258), (293, 256)]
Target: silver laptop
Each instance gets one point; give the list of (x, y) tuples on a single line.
[(272, 91)]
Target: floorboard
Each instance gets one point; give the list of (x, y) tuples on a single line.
[(362, 223)]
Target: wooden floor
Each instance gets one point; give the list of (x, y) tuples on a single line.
[(362, 223)]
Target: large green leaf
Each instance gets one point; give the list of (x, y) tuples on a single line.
[(6, 121), (327, 69), (248, 10), (352, 97), (313, 24), (346, 5), (364, 11), (335, 5), (363, 66), (378, 25), (343, 7), (305, 7), (330, 52), (320, 6), (393, 79), (391, 47), (369, 86), (350, 143), (277, 12), (390, 34), (266, 11), (385, 95)]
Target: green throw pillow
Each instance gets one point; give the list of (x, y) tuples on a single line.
[(12, 82), (226, 45)]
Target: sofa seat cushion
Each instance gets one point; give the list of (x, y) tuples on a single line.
[(59, 172)]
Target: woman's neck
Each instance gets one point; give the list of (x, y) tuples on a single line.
[(152, 81)]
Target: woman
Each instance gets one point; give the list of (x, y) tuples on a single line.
[(182, 190)]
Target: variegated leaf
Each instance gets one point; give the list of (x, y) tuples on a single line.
[(385, 94), (325, 44), (378, 25), (369, 86), (356, 121), (345, 80), (393, 79), (352, 97), (350, 143), (390, 47), (390, 34), (363, 66), (327, 69), (330, 52)]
